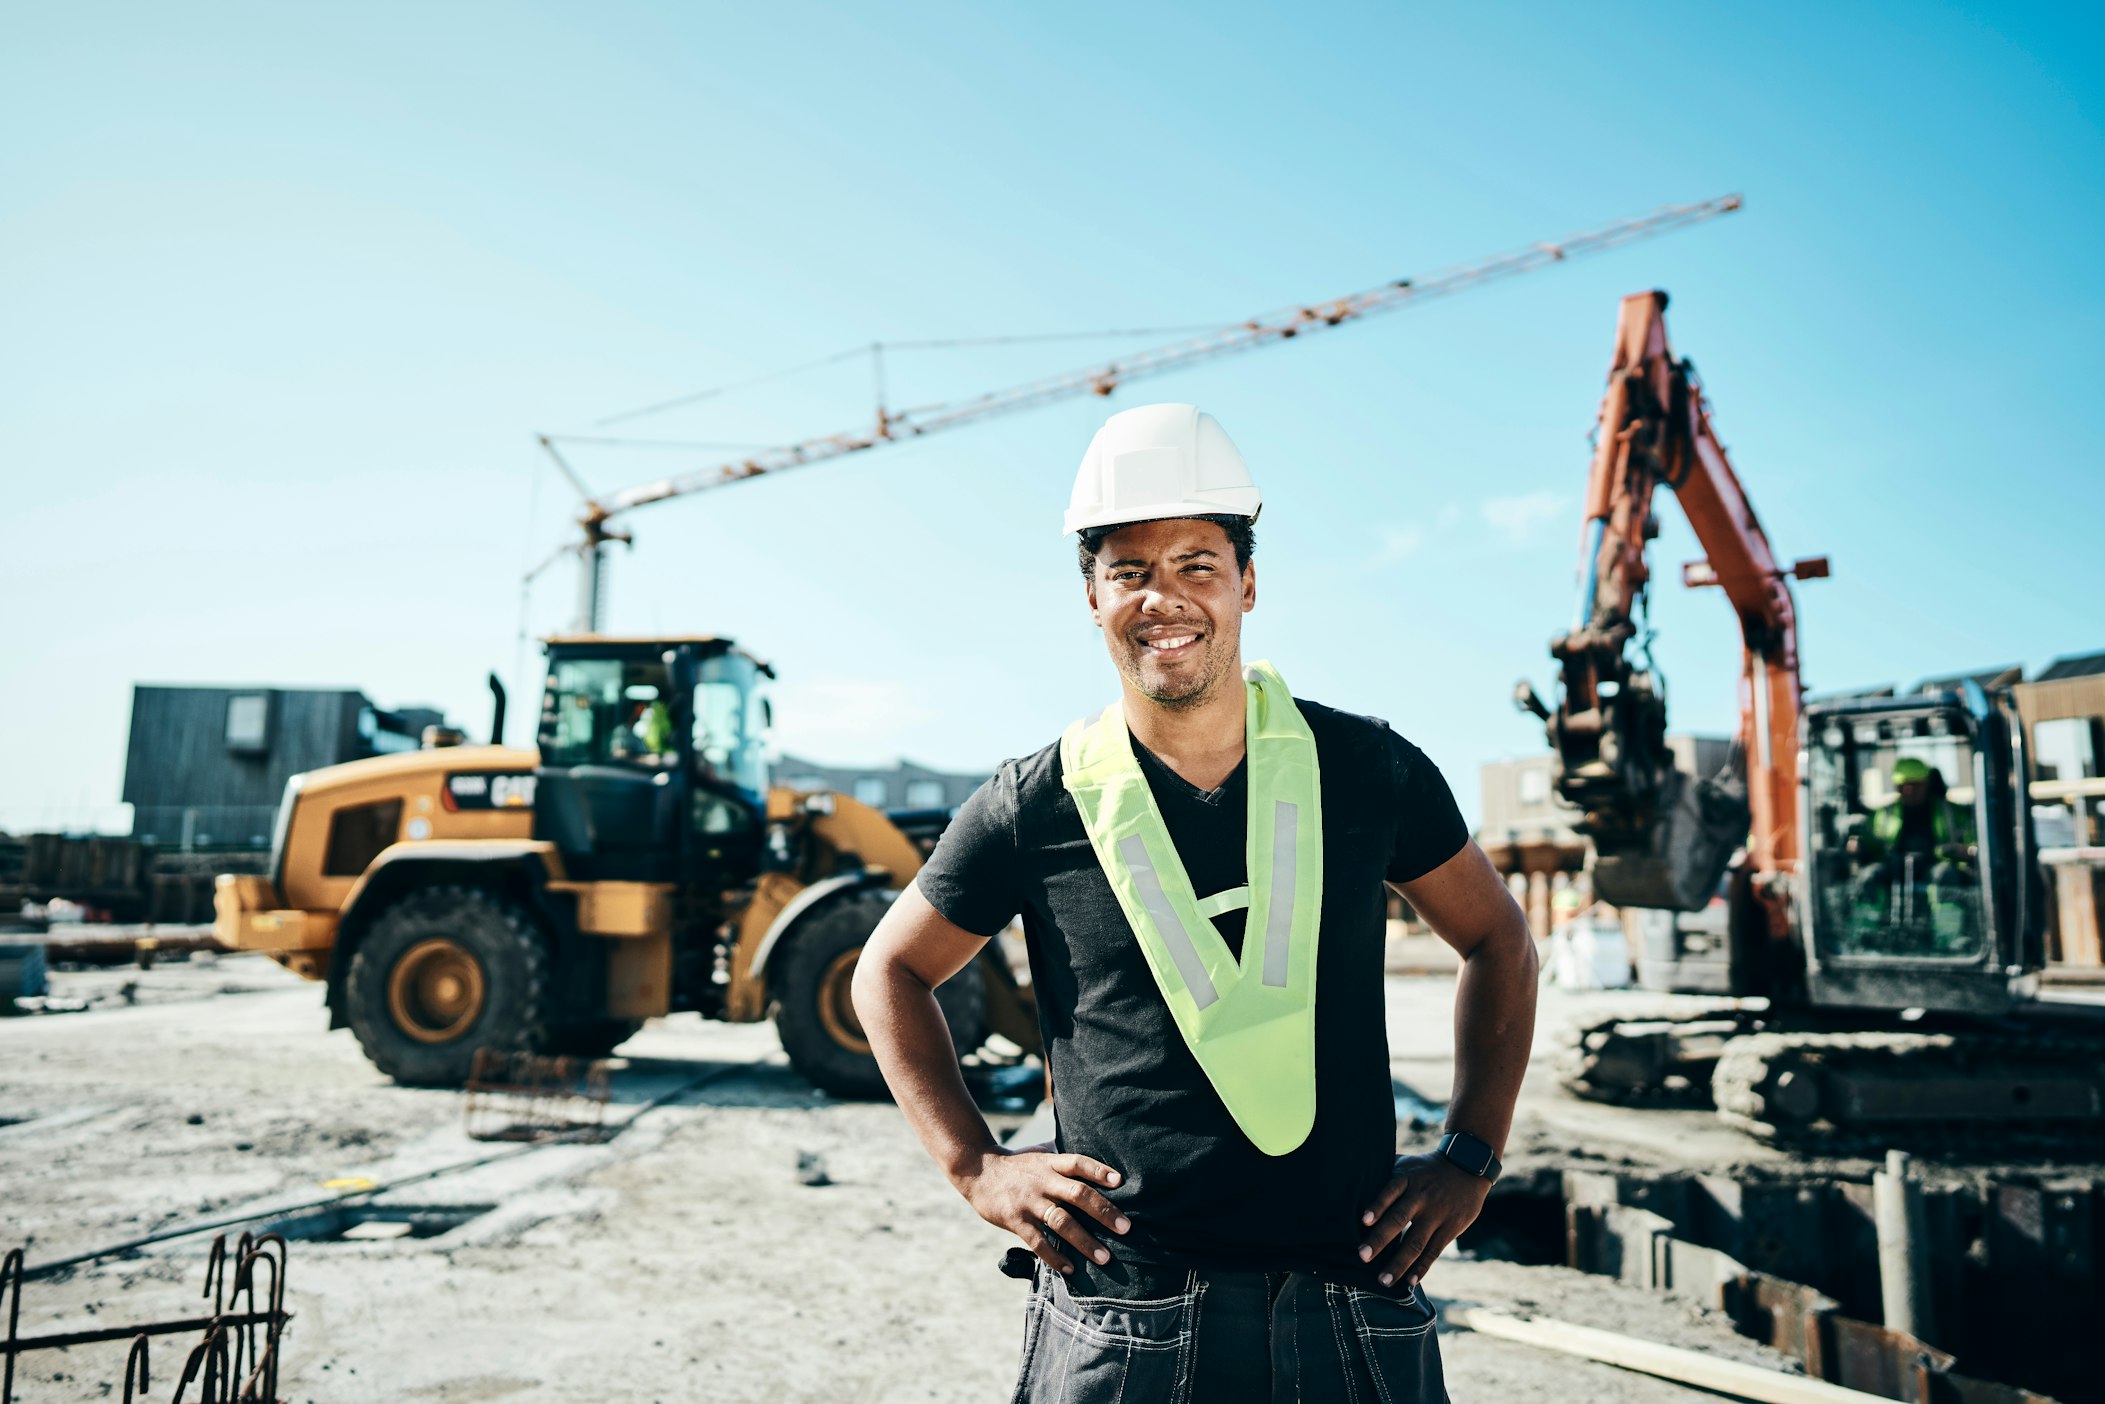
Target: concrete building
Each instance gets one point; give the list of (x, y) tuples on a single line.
[(901, 786), (1520, 803)]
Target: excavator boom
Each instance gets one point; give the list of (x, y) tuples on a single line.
[(1663, 837)]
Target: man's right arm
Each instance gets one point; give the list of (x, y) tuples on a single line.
[(1032, 1194)]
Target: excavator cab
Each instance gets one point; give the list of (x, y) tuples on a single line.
[(1914, 892)]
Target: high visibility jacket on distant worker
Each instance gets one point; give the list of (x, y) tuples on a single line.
[(1250, 1022), (657, 728), (1948, 824)]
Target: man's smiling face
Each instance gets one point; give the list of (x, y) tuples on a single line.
[(1171, 602)]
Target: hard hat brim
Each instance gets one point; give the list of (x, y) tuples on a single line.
[(1245, 504)]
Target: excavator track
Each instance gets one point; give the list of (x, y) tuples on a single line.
[(1650, 1061), (1854, 1093)]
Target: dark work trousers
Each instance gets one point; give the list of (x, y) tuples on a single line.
[(1226, 1338)]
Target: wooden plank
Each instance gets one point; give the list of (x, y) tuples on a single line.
[(1688, 1367), (2076, 915)]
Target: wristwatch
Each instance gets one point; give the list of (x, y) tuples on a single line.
[(1462, 1149)]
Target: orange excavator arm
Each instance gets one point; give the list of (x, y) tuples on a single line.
[(1610, 726)]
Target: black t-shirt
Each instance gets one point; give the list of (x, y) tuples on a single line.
[(1126, 1088)]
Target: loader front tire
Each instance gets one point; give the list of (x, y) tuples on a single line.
[(442, 972), (816, 1019)]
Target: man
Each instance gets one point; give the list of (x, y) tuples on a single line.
[(1221, 1216), (1920, 820), (646, 735), (1917, 859)]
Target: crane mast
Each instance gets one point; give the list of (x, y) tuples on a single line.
[(1272, 328)]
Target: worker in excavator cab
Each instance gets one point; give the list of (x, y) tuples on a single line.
[(1915, 877), (1200, 869)]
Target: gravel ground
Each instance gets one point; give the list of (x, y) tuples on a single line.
[(682, 1259)]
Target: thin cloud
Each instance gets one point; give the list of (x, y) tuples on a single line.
[(847, 720), (1398, 543), (1518, 516)]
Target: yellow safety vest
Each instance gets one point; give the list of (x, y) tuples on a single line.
[(1251, 1023)]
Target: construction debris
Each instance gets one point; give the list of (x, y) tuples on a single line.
[(527, 1097), (1844, 1276)]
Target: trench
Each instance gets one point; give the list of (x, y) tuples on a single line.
[(1792, 1259), (370, 1223)]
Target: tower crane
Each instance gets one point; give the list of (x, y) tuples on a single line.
[(596, 520)]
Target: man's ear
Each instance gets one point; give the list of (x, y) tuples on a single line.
[(1249, 586), (1096, 616)]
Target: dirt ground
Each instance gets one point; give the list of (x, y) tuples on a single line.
[(683, 1259)]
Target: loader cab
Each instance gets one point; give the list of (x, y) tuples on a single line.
[(653, 765), (1917, 890)]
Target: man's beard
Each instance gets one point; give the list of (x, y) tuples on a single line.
[(1181, 695)]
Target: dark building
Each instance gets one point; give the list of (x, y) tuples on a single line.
[(902, 786), (2076, 665), (206, 766)]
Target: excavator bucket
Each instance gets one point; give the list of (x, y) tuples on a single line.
[(1675, 862)]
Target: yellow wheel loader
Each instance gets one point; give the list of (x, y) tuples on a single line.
[(637, 862)]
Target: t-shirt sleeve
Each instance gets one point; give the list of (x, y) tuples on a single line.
[(1429, 827), (972, 877)]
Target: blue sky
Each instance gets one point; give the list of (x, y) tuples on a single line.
[(285, 293)]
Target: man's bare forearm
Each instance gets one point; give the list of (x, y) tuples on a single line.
[(1049, 1201), (1494, 1028), (912, 1043)]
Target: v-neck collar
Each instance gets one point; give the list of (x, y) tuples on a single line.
[(1158, 767)]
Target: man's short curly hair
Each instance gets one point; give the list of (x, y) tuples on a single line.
[(1242, 535)]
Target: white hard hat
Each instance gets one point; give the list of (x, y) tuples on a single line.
[(1157, 461)]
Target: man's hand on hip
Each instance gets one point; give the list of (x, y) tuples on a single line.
[(1035, 1194), (1426, 1204)]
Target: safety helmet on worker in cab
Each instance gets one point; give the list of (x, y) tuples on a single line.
[(1910, 770), (1153, 462)]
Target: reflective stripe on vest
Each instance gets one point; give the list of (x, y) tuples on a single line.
[(1250, 1022)]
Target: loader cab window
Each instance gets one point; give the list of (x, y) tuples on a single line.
[(1896, 868), (730, 724), (607, 711)]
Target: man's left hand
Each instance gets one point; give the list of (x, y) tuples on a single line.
[(1426, 1204)]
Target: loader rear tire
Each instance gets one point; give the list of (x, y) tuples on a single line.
[(816, 1019), (442, 972)]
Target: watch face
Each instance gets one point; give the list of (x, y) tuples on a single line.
[(1468, 1152)]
